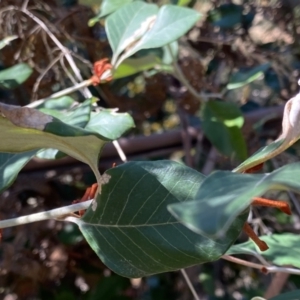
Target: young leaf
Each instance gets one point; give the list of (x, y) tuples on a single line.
[(132, 66), (290, 135), (242, 78), (108, 7), (131, 230), (170, 24), (224, 195), (128, 24), (284, 249), (14, 76), (222, 123)]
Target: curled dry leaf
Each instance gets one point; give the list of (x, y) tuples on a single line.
[(25, 116)]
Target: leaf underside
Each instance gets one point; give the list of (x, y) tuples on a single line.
[(131, 229)]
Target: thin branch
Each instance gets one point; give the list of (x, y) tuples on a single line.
[(57, 213), (268, 269), (39, 79), (66, 52), (187, 279), (120, 151)]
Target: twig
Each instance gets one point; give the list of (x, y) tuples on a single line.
[(39, 79), (56, 213), (181, 77), (65, 51), (189, 284), (277, 284), (120, 151), (268, 269)]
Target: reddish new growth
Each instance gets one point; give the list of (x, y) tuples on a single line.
[(88, 195), (100, 67), (257, 201)]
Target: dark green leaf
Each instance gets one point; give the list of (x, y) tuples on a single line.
[(14, 76), (131, 230), (222, 123), (11, 165), (224, 195), (284, 249), (293, 295), (242, 77), (226, 15)]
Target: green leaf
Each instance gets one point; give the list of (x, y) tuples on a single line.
[(226, 15), (11, 165), (261, 156), (222, 123), (61, 103), (78, 116), (4, 42), (284, 249), (242, 78), (293, 295), (132, 66), (25, 129), (14, 76), (110, 124), (224, 195), (127, 25), (153, 31), (131, 230), (108, 7)]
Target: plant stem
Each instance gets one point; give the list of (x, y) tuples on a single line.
[(267, 268), (56, 213), (189, 283)]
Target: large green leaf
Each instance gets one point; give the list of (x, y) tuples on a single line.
[(11, 165), (222, 123), (25, 129), (131, 230), (127, 25), (77, 116), (153, 31), (224, 195), (108, 7), (293, 295), (14, 76), (242, 77), (284, 249)]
